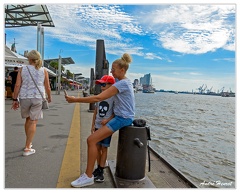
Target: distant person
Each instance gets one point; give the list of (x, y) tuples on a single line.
[(13, 78), (30, 98), (8, 83), (124, 110), (103, 113)]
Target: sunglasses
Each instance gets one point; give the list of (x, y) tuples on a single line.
[(103, 84)]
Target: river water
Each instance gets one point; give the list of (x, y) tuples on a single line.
[(194, 133)]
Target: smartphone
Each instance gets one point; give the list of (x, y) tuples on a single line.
[(65, 92)]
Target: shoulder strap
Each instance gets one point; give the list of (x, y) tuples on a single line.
[(35, 83)]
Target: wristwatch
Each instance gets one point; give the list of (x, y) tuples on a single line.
[(15, 99)]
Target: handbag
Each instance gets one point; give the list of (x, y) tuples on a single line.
[(44, 101), (45, 104)]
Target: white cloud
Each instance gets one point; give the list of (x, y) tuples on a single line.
[(176, 73), (225, 59), (83, 24), (195, 73), (152, 56), (78, 68), (193, 29)]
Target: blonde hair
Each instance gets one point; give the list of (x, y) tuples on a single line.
[(35, 56), (124, 61)]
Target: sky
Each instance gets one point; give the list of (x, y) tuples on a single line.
[(183, 46)]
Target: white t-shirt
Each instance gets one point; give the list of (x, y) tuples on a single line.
[(124, 102), (104, 111)]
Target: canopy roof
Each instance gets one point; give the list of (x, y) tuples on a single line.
[(13, 59), (27, 15), (64, 61), (9, 53)]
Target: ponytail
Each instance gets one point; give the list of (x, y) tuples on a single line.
[(35, 56)]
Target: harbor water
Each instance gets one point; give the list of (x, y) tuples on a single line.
[(194, 133)]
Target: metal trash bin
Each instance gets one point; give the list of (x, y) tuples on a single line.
[(131, 153)]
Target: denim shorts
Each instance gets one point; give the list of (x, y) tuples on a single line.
[(105, 142), (118, 122)]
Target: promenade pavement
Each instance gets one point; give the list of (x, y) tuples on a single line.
[(59, 137)]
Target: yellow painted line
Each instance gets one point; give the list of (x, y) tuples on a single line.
[(70, 169)]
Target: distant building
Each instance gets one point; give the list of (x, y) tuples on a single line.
[(13, 47), (146, 83), (146, 80), (25, 53), (135, 83)]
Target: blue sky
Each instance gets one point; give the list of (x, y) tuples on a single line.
[(183, 46)]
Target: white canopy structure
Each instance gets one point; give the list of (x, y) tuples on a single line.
[(13, 59)]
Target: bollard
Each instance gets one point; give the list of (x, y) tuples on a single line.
[(131, 153), (91, 107), (85, 94)]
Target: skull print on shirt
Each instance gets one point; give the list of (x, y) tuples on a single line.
[(103, 108)]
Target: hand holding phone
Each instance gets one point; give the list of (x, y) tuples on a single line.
[(65, 92)]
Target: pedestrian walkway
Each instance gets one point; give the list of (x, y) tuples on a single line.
[(57, 142), (40, 170)]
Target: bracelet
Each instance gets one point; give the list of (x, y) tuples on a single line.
[(15, 99)]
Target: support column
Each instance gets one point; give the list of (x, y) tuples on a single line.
[(101, 65)]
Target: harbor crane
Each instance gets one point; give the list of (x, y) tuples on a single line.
[(209, 90), (200, 89), (221, 90), (204, 89)]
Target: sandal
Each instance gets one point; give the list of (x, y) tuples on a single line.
[(28, 152), (27, 148)]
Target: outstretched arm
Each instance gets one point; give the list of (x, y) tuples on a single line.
[(95, 98)]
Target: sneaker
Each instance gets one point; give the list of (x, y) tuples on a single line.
[(29, 152), (30, 146), (96, 172), (100, 177), (82, 181)]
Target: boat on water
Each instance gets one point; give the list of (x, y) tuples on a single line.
[(148, 89), (228, 94)]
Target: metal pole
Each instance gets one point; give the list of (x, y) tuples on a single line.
[(38, 36), (91, 105), (59, 73), (92, 81), (73, 81), (56, 84), (42, 42)]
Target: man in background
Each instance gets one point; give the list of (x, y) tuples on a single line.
[(13, 78)]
